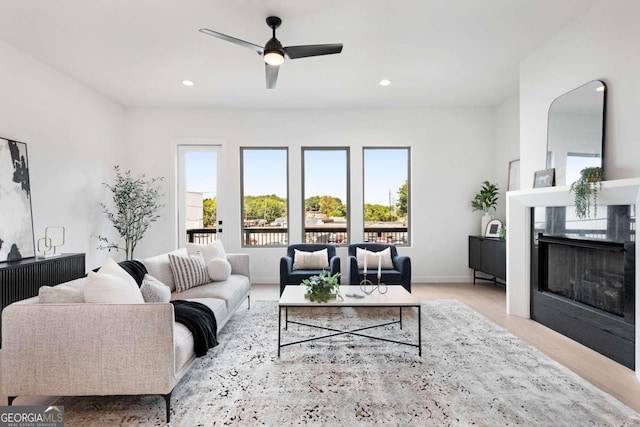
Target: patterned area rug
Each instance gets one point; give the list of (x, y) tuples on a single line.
[(471, 372)]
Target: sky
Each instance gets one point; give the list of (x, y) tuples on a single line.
[(265, 172)]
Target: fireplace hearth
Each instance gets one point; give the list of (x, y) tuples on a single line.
[(584, 287)]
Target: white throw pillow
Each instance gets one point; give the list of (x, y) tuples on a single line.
[(111, 284), (63, 293), (189, 271), (154, 290), (158, 266), (310, 260), (209, 251), (383, 256), (219, 269)]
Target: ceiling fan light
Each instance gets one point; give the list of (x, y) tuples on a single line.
[(273, 57)]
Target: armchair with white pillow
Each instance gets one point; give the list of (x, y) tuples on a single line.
[(394, 269), (304, 260)]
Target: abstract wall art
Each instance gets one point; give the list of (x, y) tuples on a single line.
[(16, 220)]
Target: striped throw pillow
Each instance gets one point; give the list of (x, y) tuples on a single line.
[(188, 271)]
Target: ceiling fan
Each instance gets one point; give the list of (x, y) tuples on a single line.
[(274, 53)]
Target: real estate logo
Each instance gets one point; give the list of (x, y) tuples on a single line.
[(31, 416)]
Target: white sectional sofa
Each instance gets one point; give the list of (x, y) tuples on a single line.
[(87, 349)]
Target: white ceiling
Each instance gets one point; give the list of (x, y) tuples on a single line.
[(435, 52)]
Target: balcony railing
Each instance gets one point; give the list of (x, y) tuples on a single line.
[(275, 236), (201, 236), (265, 236)]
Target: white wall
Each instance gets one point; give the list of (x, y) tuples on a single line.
[(74, 137), (452, 153), (602, 44), (507, 146)]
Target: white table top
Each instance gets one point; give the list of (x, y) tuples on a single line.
[(397, 296)]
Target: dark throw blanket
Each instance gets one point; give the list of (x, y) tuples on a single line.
[(201, 321)]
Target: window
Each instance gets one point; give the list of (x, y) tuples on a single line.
[(386, 195), (265, 208), (326, 195)]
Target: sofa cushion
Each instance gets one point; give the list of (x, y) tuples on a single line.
[(158, 266), (69, 292), (189, 271), (310, 260), (209, 251), (233, 291), (219, 269), (154, 290), (182, 337), (111, 284)]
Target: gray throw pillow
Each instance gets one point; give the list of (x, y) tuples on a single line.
[(189, 271), (154, 290)]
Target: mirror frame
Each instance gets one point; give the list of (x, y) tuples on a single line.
[(549, 159)]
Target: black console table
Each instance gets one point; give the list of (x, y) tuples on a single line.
[(22, 279), (488, 255)]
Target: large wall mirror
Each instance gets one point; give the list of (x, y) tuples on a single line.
[(575, 135)]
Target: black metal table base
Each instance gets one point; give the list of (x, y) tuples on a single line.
[(356, 332)]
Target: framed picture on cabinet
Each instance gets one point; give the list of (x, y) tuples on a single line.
[(16, 221), (493, 228)]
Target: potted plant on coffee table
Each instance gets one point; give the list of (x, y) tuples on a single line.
[(323, 287)]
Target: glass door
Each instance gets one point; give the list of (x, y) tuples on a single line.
[(199, 215)]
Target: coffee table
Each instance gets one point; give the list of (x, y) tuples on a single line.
[(396, 297)]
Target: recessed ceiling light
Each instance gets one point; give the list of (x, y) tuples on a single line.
[(188, 83), (385, 82)]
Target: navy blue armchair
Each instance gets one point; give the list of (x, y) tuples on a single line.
[(289, 276), (399, 275)]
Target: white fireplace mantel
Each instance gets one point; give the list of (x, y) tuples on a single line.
[(616, 192)]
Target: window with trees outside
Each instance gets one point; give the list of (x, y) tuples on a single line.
[(386, 195), (264, 196), (326, 193)]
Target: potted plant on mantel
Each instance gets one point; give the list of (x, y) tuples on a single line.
[(485, 200), (585, 189), (323, 287)]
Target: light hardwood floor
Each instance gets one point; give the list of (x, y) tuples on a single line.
[(489, 300)]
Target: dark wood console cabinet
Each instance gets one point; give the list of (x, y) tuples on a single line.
[(488, 255), (22, 279)]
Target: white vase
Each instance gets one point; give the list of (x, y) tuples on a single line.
[(483, 223)]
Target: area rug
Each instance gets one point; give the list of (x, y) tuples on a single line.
[(471, 372)]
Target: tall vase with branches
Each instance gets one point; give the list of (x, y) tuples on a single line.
[(136, 203)]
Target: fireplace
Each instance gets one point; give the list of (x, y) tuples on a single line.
[(522, 247), (584, 287)]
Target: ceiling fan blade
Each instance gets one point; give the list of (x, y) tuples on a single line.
[(294, 52), (271, 72), (233, 40)]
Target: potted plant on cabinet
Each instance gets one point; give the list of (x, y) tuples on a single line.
[(586, 188), (485, 200)]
